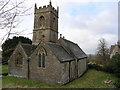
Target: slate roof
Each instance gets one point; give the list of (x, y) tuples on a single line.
[(29, 48), (75, 49), (60, 52), (72, 52), (68, 52)]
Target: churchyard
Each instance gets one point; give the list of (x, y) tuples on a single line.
[(91, 79)]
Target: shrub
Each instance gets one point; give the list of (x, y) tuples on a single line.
[(9, 45), (108, 69), (115, 64), (95, 66), (117, 84)]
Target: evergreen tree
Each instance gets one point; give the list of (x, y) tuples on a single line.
[(9, 45)]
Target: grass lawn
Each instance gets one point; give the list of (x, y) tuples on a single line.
[(4, 69), (91, 79)]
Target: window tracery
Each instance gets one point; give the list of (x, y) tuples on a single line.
[(19, 59), (41, 57)]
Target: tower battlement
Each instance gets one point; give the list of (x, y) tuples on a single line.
[(46, 8)]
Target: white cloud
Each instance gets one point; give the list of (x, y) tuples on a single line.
[(81, 28), (86, 30)]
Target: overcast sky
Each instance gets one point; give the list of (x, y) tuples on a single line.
[(81, 21)]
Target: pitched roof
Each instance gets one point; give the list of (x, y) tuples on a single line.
[(28, 48), (75, 49), (66, 50), (60, 52)]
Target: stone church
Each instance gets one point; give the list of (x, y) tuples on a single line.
[(115, 49), (48, 59)]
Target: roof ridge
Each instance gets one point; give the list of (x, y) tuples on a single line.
[(68, 41), (53, 43), (26, 44)]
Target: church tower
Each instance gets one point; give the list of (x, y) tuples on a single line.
[(45, 24)]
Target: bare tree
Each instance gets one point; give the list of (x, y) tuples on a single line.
[(10, 13), (102, 52)]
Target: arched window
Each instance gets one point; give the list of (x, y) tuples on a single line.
[(19, 59), (41, 58), (42, 22)]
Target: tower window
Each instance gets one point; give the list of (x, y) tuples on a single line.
[(42, 22)]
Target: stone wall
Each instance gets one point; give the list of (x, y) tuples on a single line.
[(65, 72), (73, 70), (82, 66), (53, 69), (14, 69)]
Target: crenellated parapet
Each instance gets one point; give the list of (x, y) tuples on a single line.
[(46, 8)]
